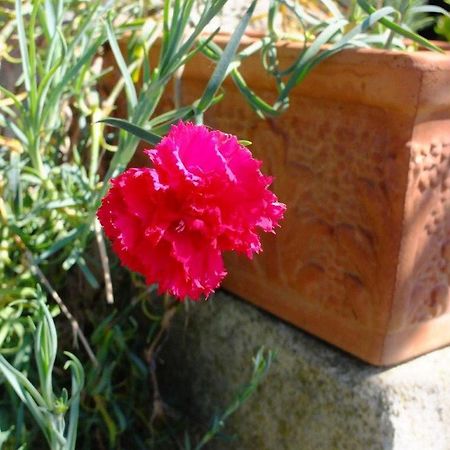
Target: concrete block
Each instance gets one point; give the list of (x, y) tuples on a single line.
[(315, 397)]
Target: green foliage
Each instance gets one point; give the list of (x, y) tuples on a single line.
[(391, 21), (443, 27), (48, 410), (55, 164), (261, 364)]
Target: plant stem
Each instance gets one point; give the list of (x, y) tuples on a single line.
[(96, 134)]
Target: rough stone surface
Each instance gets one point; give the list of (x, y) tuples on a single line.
[(315, 397)]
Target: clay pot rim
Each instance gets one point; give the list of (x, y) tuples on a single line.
[(421, 54), (420, 58)]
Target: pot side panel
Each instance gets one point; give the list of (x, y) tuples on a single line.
[(420, 319), (341, 165), (362, 160), (331, 266)]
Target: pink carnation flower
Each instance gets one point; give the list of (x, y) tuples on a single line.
[(204, 195)]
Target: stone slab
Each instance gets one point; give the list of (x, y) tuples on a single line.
[(315, 397)]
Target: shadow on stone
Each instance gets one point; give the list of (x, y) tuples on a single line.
[(315, 396)]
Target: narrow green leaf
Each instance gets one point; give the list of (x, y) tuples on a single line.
[(44, 85), (303, 70), (322, 39), (14, 186), (175, 35), (19, 382), (222, 67), (429, 9), (13, 97), (366, 24), (301, 14), (61, 203), (48, 19), (17, 131), (135, 130), (57, 90), (261, 365), (90, 277), (23, 45), (170, 116), (33, 55), (61, 243), (210, 11), (332, 7), (129, 85), (50, 344), (256, 102), (399, 29), (74, 253), (186, 57), (77, 386), (85, 27)]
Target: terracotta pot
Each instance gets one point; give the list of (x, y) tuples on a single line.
[(362, 160)]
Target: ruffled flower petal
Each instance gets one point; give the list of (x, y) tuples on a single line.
[(205, 195)]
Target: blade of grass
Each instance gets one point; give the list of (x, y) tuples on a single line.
[(23, 45), (68, 77), (135, 130), (61, 243), (367, 7), (129, 85), (227, 56), (77, 386)]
